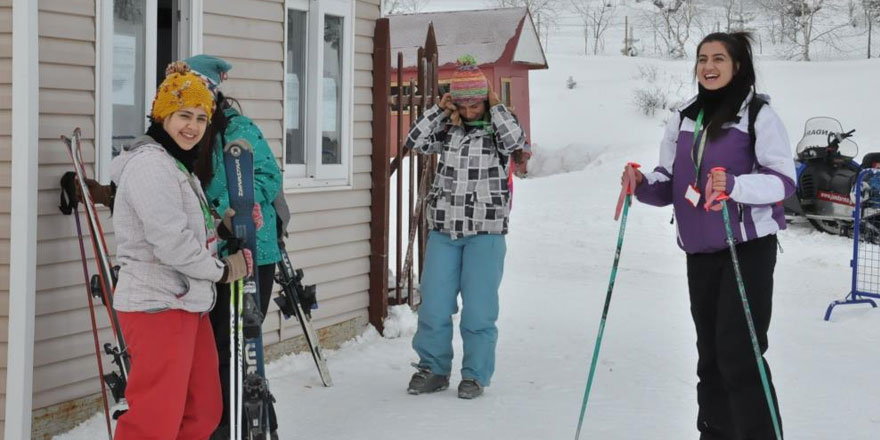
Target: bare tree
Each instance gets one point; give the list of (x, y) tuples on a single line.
[(675, 19), (545, 13), (852, 12), (742, 17), (390, 7), (777, 10), (729, 8), (871, 9), (596, 15), (810, 25)]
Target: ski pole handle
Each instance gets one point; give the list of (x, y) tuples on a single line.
[(713, 196), (631, 168), (627, 186)]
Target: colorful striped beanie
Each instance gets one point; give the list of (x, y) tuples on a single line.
[(468, 85)]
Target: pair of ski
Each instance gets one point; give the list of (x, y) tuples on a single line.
[(713, 200), (101, 284), (249, 397)]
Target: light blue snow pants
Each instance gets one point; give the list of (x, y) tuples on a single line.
[(474, 266)]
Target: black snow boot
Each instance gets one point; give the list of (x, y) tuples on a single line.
[(424, 381), (469, 389)]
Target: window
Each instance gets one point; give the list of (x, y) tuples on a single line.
[(318, 93), (443, 88), (125, 61), (135, 41), (395, 106), (295, 84), (506, 97)]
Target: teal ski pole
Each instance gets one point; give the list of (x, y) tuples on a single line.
[(628, 187), (722, 197)]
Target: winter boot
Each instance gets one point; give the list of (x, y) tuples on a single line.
[(424, 381), (469, 389)]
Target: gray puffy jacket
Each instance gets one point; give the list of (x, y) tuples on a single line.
[(166, 252)]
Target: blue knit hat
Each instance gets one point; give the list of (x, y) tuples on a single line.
[(211, 68)]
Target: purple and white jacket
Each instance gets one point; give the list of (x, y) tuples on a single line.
[(758, 180)]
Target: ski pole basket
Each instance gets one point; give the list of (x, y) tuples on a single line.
[(866, 242)]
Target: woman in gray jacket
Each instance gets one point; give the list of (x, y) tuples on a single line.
[(166, 246)]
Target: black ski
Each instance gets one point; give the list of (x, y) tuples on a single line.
[(298, 300)]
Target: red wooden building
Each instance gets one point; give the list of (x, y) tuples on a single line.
[(504, 41)]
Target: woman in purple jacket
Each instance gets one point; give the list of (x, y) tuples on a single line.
[(714, 129)]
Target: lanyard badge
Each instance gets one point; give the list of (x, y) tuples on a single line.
[(693, 193)]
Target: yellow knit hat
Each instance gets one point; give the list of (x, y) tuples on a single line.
[(181, 88)]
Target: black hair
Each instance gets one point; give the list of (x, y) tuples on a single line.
[(156, 130), (739, 47), (204, 167)]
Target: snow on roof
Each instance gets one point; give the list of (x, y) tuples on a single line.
[(482, 33)]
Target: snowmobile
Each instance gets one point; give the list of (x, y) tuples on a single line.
[(826, 180)]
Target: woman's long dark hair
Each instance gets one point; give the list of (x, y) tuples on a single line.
[(739, 47), (204, 166)]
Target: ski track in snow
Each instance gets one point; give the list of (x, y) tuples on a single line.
[(559, 257)]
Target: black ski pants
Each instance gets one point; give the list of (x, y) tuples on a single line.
[(732, 403), (220, 323)]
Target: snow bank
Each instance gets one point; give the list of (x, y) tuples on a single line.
[(401, 322)]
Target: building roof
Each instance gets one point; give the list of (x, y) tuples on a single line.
[(485, 34)]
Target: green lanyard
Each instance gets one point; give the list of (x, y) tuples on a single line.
[(485, 125), (209, 220), (698, 131)]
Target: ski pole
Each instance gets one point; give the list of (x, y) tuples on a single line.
[(628, 187), (233, 361), (721, 197)]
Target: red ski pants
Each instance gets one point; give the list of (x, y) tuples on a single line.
[(173, 389)]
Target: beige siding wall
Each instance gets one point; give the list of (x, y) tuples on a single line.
[(329, 231), (64, 359), (5, 171)]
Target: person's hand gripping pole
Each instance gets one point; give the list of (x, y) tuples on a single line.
[(628, 183)]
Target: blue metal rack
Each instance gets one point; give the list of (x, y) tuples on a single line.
[(866, 244)]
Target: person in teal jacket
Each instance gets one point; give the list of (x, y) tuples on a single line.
[(267, 179), (229, 125)]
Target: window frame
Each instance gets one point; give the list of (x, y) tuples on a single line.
[(314, 174), (406, 93), (509, 82), (104, 71)]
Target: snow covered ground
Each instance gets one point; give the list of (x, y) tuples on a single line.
[(559, 256)]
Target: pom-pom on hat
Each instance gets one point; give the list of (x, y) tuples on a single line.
[(210, 67), (468, 84), (181, 88)]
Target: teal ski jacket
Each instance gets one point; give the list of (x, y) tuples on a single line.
[(267, 182)]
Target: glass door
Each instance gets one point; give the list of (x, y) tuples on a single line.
[(129, 69), (136, 39)]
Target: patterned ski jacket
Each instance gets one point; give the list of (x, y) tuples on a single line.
[(164, 245), (758, 179), (267, 183), (470, 193)]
